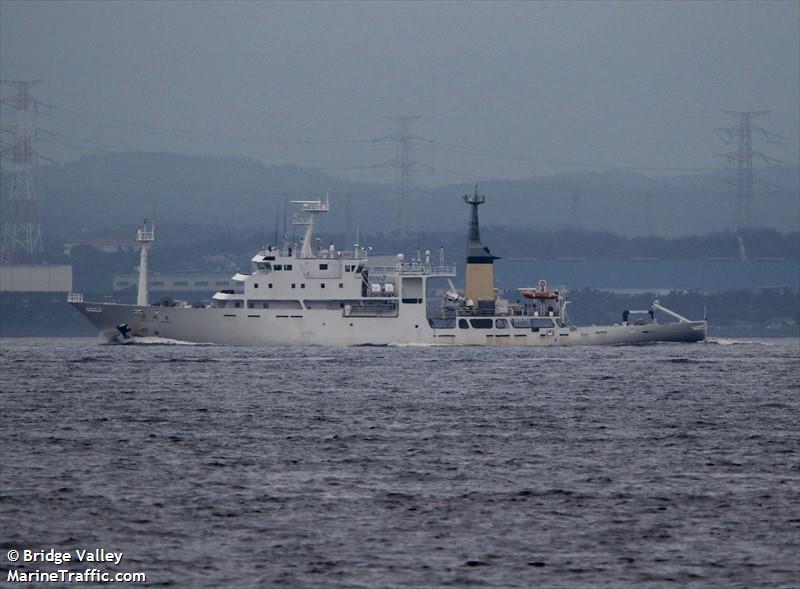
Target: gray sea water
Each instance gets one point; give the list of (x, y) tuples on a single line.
[(670, 465)]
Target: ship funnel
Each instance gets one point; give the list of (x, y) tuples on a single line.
[(480, 261)]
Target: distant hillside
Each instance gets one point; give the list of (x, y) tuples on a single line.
[(99, 193), (111, 194), (626, 203)]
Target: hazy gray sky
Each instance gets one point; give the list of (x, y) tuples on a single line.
[(620, 84)]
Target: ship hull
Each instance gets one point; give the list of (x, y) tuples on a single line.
[(326, 327)]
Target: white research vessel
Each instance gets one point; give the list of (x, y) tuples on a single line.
[(318, 296)]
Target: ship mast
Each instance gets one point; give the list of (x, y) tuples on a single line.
[(145, 238), (313, 208)]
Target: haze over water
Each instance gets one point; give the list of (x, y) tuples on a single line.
[(503, 89)]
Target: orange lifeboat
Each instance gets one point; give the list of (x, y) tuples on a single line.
[(532, 293)]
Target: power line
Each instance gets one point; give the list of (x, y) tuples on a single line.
[(191, 134), (476, 151), (406, 142)]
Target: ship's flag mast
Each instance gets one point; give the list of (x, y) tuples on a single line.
[(145, 238)]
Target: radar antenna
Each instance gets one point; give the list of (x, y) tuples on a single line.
[(312, 208)]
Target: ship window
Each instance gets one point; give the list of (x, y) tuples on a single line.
[(255, 285), (278, 267), (322, 285), (292, 284), (323, 266), (124, 283), (201, 282), (237, 304), (341, 285), (181, 283), (269, 285), (287, 267), (521, 323), (501, 324), (481, 323), (221, 283), (412, 301), (302, 285), (462, 323), (161, 283), (359, 268)]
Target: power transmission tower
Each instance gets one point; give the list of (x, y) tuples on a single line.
[(648, 215), (576, 210), (348, 217), (742, 157), (21, 230), (403, 163)]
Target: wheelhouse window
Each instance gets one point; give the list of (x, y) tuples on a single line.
[(481, 323), (287, 267), (501, 324), (323, 266), (462, 324), (278, 267)]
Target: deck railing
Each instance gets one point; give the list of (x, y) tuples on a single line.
[(426, 269)]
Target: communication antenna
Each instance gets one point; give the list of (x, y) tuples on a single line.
[(285, 202), (277, 212)]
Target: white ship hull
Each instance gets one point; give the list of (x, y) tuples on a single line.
[(327, 297), (249, 327)]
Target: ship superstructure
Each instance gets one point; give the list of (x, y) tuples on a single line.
[(316, 295)]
